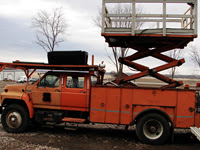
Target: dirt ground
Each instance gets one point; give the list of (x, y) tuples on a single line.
[(88, 137)]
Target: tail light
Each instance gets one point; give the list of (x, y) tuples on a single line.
[(186, 86), (198, 86)]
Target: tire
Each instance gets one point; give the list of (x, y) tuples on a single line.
[(153, 129), (15, 118)]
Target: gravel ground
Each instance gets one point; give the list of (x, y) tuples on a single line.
[(89, 137)]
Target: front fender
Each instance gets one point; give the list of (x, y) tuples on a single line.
[(18, 96), (29, 104)]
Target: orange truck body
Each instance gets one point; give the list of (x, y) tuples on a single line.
[(110, 104)]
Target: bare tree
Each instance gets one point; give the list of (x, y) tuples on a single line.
[(176, 54), (118, 51), (195, 54), (49, 28)]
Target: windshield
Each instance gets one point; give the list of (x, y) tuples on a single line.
[(50, 81)]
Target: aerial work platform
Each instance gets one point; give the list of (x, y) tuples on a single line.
[(121, 29), (149, 34)]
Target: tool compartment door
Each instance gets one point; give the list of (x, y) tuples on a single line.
[(105, 105), (185, 109), (113, 105), (97, 104)]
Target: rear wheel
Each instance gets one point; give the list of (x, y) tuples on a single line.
[(15, 118), (153, 129)]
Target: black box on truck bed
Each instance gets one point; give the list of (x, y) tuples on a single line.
[(68, 57)]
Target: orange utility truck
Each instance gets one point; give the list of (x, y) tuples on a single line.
[(79, 96), (75, 92)]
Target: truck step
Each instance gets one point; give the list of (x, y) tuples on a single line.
[(196, 132), (79, 120)]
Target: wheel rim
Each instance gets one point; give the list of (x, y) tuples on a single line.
[(153, 129), (13, 119)]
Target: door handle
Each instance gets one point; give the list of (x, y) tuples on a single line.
[(82, 92), (57, 90)]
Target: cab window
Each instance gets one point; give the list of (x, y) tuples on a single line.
[(50, 81), (75, 82), (93, 80)]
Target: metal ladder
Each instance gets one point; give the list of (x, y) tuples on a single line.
[(196, 132)]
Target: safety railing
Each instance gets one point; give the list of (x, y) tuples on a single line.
[(164, 24), (188, 22)]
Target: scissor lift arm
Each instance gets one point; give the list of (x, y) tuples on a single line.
[(171, 62)]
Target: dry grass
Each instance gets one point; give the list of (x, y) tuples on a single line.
[(152, 82)]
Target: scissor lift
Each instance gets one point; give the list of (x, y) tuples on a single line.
[(150, 41)]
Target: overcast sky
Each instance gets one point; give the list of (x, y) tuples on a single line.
[(17, 37)]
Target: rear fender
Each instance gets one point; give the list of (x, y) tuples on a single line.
[(152, 110)]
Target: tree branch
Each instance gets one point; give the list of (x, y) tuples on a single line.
[(49, 26)]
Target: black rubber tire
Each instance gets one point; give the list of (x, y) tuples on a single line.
[(153, 129), (14, 111)]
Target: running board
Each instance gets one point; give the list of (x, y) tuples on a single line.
[(196, 132), (78, 120)]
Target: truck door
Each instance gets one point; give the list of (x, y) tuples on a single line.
[(47, 91), (74, 93)]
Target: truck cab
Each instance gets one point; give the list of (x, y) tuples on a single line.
[(62, 91)]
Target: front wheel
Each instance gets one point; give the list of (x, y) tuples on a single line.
[(15, 118), (153, 129)]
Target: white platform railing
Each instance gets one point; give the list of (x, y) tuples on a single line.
[(126, 23)]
